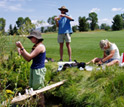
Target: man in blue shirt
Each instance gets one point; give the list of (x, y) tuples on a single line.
[(64, 31)]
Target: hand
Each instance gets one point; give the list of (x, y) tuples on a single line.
[(100, 62), (18, 44), (55, 18), (19, 51), (62, 15)]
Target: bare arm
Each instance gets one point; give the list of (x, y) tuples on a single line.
[(105, 58), (109, 56), (57, 24), (104, 55), (28, 56), (24, 51), (64, 15)]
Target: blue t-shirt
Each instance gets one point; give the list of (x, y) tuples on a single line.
[(64, 25), (39, 61)]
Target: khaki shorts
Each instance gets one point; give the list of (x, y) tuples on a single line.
[(62, 37), (37, 77)]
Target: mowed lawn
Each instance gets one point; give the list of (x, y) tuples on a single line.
[(85, 45)]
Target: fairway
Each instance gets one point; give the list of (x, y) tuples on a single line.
[(85, 45)]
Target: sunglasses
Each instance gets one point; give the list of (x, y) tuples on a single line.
[(62, 10)]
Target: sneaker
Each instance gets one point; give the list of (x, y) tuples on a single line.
[(61, 60), (70, 60)]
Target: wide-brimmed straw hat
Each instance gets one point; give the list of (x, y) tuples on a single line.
[(63, 8), (35, 34)]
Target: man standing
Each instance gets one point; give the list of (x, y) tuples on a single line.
[(64, 31)]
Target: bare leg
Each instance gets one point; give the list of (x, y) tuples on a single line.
[(61, 50), (112, 63), (41, 101), (95, 60), (69, 49)]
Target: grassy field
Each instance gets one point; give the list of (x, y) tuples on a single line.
[(85, 45)]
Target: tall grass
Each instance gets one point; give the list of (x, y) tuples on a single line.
[(99, 88)]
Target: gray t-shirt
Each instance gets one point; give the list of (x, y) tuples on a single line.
[(113, 47)]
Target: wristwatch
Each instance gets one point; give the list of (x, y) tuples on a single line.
[(22, 49)]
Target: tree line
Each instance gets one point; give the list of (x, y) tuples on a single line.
[(24, 25)]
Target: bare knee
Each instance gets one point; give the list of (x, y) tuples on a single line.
[(117, 62), (113, 62), (67, 44)]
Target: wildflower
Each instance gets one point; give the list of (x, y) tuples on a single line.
[(9, 92)]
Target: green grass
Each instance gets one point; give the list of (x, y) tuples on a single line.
[(85, 45)]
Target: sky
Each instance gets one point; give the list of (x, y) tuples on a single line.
[(10, 10)]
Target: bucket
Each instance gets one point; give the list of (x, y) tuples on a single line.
[(121, 60)]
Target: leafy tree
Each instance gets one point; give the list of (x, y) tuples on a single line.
[(28, 26), (24, 25), (105, 26), (117, 23), (20, 22), (83, 24), (97, 26), (49, 29), (46, 31), (38, 23), (75, 28), (2, 25), (51, 21), (93, 18)]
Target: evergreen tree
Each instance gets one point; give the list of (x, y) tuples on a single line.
[(10, 30), (122, 15), (42, 29), (15, 30)]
